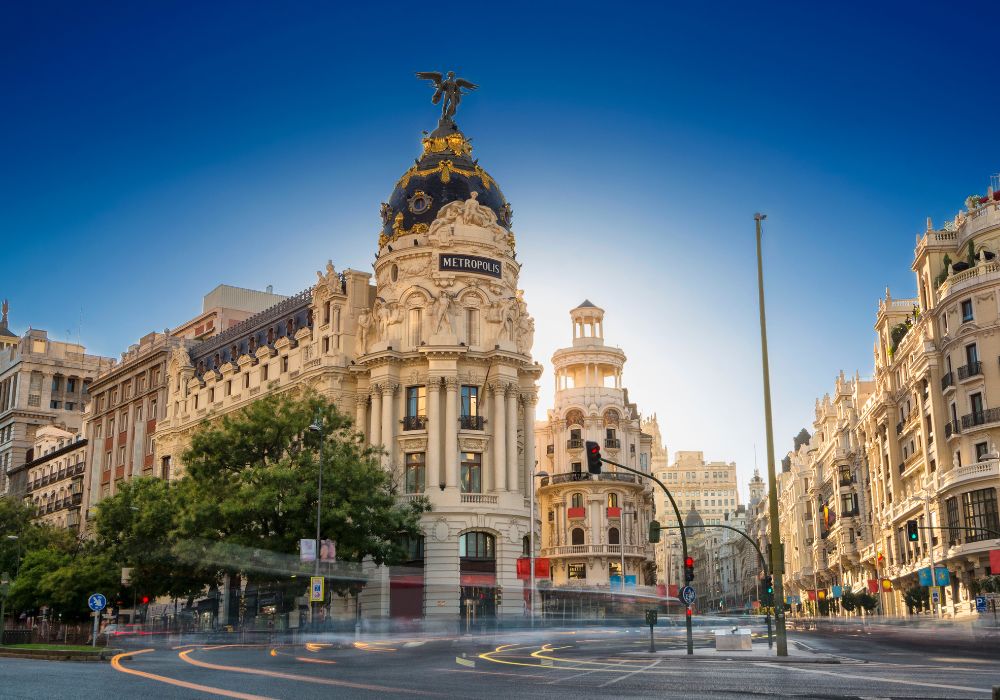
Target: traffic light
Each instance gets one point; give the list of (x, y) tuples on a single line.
[(499, 595), (654, 531), (688, 570), (911, 531), (593, 457), (145, 600), (769, 585)]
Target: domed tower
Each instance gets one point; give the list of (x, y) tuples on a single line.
[(757, 487), (593, 525), (446, 383)]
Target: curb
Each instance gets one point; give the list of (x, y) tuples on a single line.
[(93, 657)]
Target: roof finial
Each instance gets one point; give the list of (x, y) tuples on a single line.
[(4, 308)]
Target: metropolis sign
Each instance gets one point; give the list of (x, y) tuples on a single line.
[(470, 263)]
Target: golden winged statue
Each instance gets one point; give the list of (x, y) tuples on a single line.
[(447, 91)]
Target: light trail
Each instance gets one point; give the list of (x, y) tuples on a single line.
[(116, 664)]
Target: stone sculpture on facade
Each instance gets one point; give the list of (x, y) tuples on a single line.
[(448, 91), (364, 322)]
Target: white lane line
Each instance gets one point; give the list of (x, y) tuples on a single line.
[(575, 675), (640, 670), (878, 679)]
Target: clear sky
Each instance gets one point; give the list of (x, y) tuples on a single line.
[(152, 150)]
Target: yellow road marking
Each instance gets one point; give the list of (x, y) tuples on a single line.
[(314, 661), (116, 664), (185, 655)]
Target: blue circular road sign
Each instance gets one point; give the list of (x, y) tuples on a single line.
[(688, 595), (97, 602)]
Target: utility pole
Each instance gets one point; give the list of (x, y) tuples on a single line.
[(777, 563), (317, 427)]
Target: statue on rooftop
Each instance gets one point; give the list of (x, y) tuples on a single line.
[(448, 91)]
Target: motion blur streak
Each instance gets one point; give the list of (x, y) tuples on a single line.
[(116, 664)]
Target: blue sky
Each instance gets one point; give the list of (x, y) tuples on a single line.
[(154, 150)]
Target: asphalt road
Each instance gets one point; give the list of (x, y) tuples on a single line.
[(590, 662)]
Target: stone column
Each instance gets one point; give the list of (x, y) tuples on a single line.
[(499, 437), (389, 423), (433, 431), (530, 398), (511, 425), (451, 432), (375, 434), (360, 424)]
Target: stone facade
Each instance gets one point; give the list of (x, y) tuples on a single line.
[(55, 477), (431, 358), (42, 382), (592, 525)]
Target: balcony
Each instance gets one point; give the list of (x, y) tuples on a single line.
[(617, 476), (471, 422), (614, 513), (952, 428), (846, 481), (989, 469), (77, 499), (570, 477), (971, 420), (576, 513), (479, 498), (947, 381), (414, 423), (595, 550), (574, 444), (613, 444), (973, 369), (899, 428)]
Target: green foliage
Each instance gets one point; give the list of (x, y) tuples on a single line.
[(848, 601), (946, 262), (989, 584), (824, 606), (917, 599), (252, 481), (868, 601), (136, 528), (15, 521), (897, 334), (971, 255)]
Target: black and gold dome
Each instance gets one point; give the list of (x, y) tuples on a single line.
[(444, 173)]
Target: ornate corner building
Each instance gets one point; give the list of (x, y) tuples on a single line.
[(430, 354), (594, 527)]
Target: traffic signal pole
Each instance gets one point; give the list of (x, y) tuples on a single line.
[(777, 556), (680, 526)]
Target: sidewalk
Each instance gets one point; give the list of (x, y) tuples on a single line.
[(760, 652)]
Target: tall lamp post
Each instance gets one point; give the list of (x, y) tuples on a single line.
[(777, 558), (535, 474), (317, 427)]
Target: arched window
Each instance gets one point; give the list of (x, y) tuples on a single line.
[(613, 536), (578, 535), (290, 324), (477, 545), (612, 500), (526, 546), (270, 336), (576, 500)]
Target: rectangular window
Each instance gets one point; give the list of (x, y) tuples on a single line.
[(976, 405), (416, 401), (981, 449), (414, 330), (848, 504), (577, 467), (263, 373), (196, 402), (284, 364), (472, 327), (472, 472), (575, 434), (152, 409), (954, 536), (980, 510), (121, 456), (470, 401), (107, 461), (229, 387), (71, 384), (577, 571), (246, 380), (211, 395), (966, 310), (55, 404), (111, 427), (415, 472), (971, 355), (326, 343), (55, 383)]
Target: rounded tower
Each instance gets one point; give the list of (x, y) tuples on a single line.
[(593, 526)]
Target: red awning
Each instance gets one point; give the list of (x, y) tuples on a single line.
[(479, 579)]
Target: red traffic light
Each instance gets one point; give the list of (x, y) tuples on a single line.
[(689, 562), (145, 600), (689, 612)]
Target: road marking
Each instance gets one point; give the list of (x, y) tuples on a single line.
[(185, 655), (116, 664), (575, 675), (878, 679), (310, 660), (639, 670), (465, 662)]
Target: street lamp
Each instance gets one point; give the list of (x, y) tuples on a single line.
[(777, 557), (317, 427), (535, 474)]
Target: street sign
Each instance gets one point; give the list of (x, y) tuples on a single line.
[(307, 550), (315, 589), (97, 602), (688, 595), (980, 603), (650, 617), (935, 595)]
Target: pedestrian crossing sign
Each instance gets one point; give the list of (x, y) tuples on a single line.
[(316, 589)]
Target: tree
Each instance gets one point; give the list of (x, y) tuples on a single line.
[(848, 601), (917, 598), (252, 482), (868, 601), (137, 528)]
